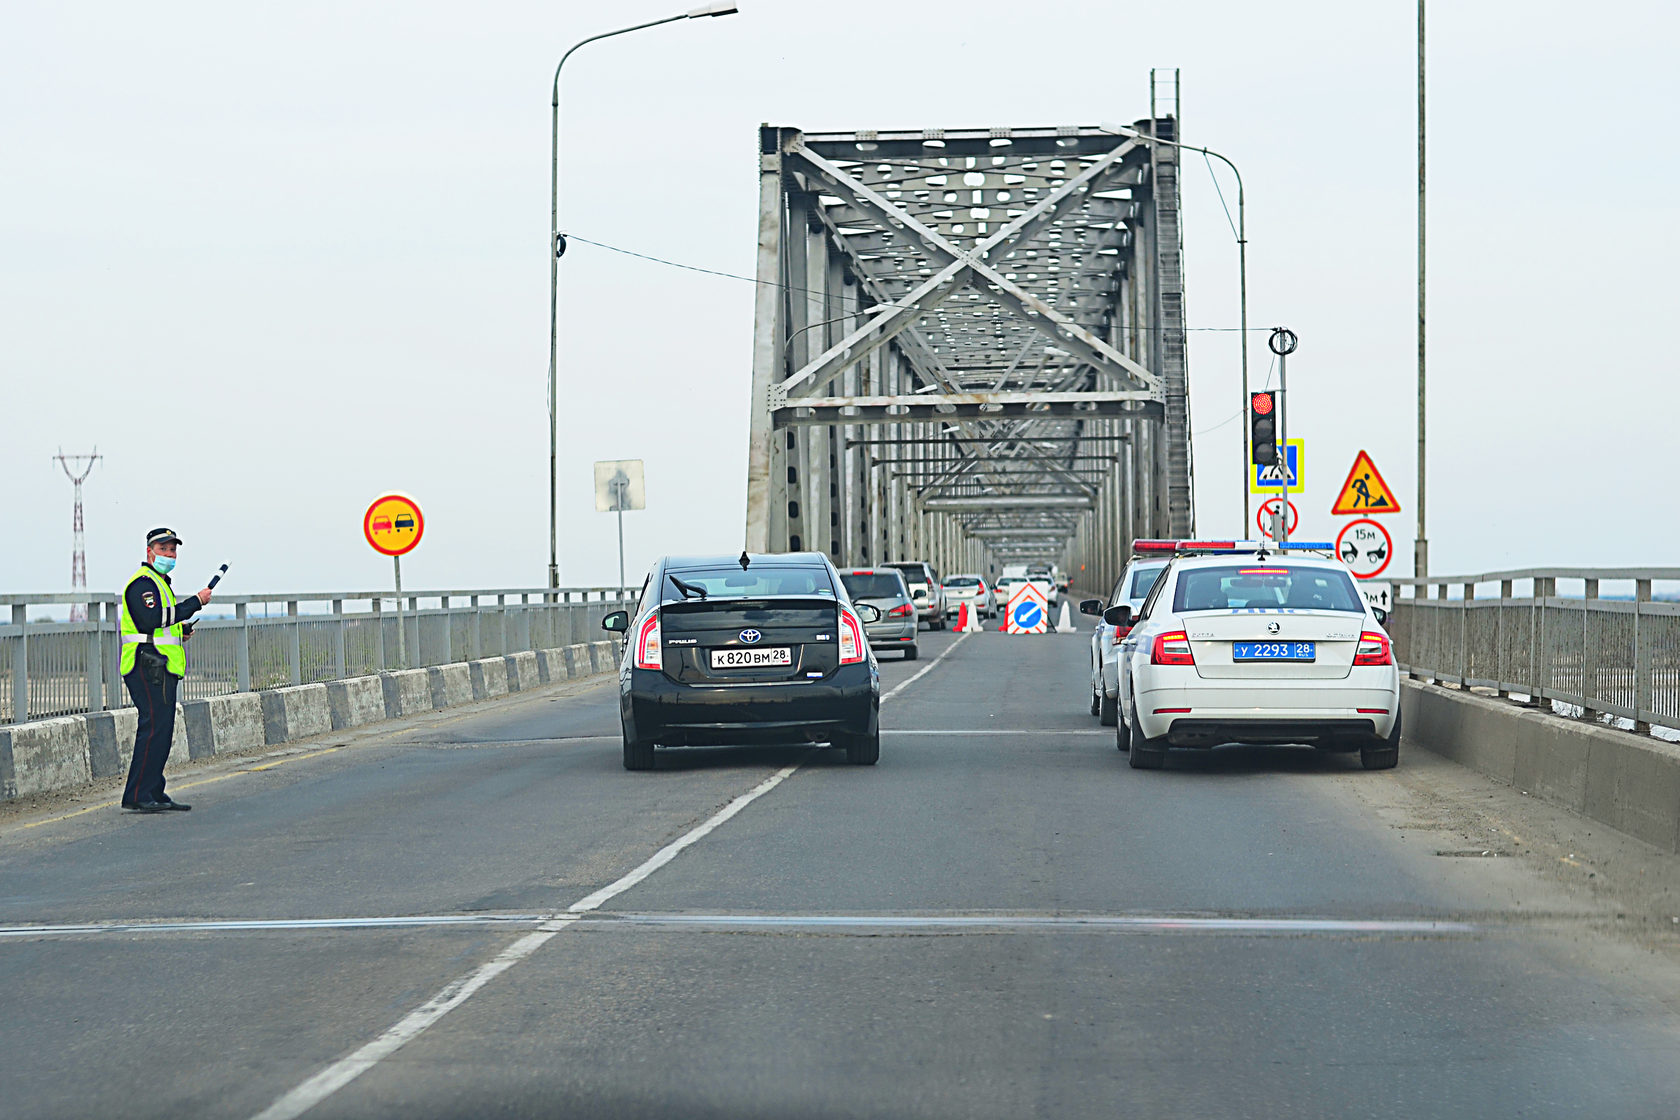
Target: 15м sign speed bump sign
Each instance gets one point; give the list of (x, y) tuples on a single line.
[(393, 524)]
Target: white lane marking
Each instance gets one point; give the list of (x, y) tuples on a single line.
[(1144, 923), (259, 925), (1104, 732), (1148, 923), (324, 1084), (926, 669)]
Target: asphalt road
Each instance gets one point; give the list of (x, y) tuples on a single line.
[(999, 920)]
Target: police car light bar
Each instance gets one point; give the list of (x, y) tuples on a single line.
[(1230, 546), (1185, 546)]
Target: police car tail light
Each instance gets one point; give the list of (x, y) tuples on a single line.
[(1374, 649), (647, 644), (852, 649), (1172, 648)]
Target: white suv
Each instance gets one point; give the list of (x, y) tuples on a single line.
[(1256, 647), (925, 591)]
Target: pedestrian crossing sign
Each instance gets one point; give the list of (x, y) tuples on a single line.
[(1269, 479), (1365, 492)]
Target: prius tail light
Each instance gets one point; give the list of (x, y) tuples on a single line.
[(1172, 648), (1374, 649), (647, 644), (852, 647)]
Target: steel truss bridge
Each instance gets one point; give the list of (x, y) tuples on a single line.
[(969, 347)]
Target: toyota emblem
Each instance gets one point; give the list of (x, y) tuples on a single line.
[(750, 636), (1271, 628)]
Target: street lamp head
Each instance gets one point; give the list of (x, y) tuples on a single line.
[(712, 10)]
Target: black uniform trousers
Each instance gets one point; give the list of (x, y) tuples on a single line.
[(155, 700)]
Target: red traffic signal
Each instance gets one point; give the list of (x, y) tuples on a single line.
[(1262, 429)]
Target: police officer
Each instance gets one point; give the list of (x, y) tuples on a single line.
[(154, 659)]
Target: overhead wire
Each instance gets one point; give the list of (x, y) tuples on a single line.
[(814, 291)]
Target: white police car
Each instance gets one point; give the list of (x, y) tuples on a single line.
[(1242, 642)]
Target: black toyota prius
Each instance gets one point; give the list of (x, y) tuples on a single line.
[(747, 649)]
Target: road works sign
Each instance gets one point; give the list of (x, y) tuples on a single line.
[(1365, 547), (1269, 480), (393, 524), (1028, 611), (1365, 492)]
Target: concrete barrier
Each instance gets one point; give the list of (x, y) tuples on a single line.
[(71, 751), (1628, 781), (224, 724), (45, 755), (296, 712), (355, 701), (450, 684), (407, 692), (111, 742), (521, 671), (489, 678), (551, 665)]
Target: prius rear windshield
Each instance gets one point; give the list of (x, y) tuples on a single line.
[(733, 583), (1268, 586)]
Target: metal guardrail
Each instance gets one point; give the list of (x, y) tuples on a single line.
[(1619, 656), (64, 668)]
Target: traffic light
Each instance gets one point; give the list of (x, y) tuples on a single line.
[(1262, 428)]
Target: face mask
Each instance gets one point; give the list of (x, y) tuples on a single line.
[(164, 564)]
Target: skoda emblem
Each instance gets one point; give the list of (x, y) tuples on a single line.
[(1271, 628), (750, 636)]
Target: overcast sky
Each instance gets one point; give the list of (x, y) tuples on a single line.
[(276, 258)]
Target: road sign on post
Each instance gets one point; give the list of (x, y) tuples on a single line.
[(1028, 611), (619, 486), (1365, 492), (1269, 480), (1269, 509), (393, 525), (1365, 547)]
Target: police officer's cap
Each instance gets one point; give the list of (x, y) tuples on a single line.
[(161, 536)]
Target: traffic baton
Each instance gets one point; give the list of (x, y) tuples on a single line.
[(217, 578)]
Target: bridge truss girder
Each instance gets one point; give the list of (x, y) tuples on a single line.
[(969, 348)]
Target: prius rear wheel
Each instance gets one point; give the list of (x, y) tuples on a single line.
[(863, 750), (638, 754)]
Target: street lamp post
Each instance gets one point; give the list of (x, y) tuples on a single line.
[(1242, 261), (556, 247)]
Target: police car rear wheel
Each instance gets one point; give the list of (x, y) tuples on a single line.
[(1145, 754), (1382, 754), (1108, 713)]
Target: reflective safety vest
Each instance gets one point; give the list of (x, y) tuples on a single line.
[(166, 641)]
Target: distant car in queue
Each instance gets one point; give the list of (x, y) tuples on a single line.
[(969, 588), (884, 589), (750, 649), (925, 590)]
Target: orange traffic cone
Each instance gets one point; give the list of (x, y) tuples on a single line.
[(962, 617)]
